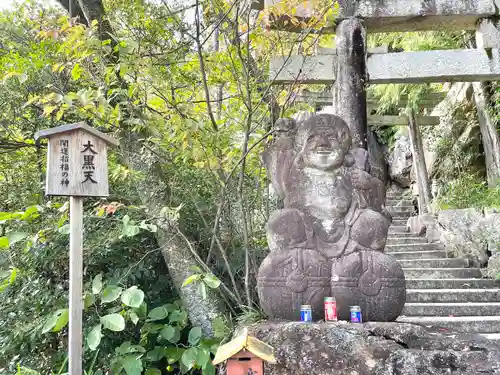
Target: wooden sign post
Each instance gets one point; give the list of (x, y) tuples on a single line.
[(77, 166)]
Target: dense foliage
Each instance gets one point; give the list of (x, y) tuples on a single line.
[(185, 88)]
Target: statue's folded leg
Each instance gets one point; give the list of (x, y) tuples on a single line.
[(370, 230), (286, 229)]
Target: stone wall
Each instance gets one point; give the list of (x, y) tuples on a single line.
[(471, 234)]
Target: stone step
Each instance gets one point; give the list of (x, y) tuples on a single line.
[(442, 273), (401, 212), (453, 295), (414, 247), (398, 215), (399, 222), (396, 195), (404, 240), (452, 283), (463, 324), (401, 234), (491, 336), (398, 228), (401, 208), (452, 309), (398, 202), (434, 263), (427, 254)]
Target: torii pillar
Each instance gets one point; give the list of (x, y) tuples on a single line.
[(349, 90)]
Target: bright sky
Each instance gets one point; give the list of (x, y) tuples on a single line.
[(8, 3)]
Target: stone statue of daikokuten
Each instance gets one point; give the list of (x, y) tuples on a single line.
[(312, 167), (329, 238)]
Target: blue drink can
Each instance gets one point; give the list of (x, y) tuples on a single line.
[(306, 313), (356, 316)]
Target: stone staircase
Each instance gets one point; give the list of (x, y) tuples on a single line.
[(443, 293)]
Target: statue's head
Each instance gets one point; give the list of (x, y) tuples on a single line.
[(324, 141)]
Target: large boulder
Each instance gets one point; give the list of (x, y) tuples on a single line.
[(374, 349), (400, 160), (424, 224), (462, 232), (490, 230), (493, 269)]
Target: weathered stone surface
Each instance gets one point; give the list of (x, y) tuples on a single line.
[(372, 280), (374, 349), (435, 66), (394, 15), (490, 230), (373, 161), (416, 226), (289, 279), (400, 160), (332, 209), (451, 123), (493, 269), (376, 158), (349, 92), (468, 65), (424, 225), (463, 235)]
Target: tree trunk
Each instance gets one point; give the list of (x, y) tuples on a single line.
[(176, 249), (77, 11)]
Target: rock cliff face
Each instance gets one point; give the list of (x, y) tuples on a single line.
[(400, 161), (374, 349), (468, 233)]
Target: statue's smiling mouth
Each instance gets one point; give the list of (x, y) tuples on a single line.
[(323, 151)]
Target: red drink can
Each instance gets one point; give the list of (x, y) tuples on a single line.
[(330, 309)]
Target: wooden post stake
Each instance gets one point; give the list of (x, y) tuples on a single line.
[(75, 285), (424, 189), (77, 166)]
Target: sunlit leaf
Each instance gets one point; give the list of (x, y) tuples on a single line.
[(113, 322), (191, 279), (188, 358), (194, 336), (57, 321), (111, 293), (132, 365), (212, 281), (94, 337), (76, 72), (97, 284), (158, 313), (133, 297), (64, 229)]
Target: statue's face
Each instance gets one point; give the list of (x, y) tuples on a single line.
[(323, 151)]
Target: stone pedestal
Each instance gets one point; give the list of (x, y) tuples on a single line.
[(374, 349)]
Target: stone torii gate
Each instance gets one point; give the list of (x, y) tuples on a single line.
[(352, 66)]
